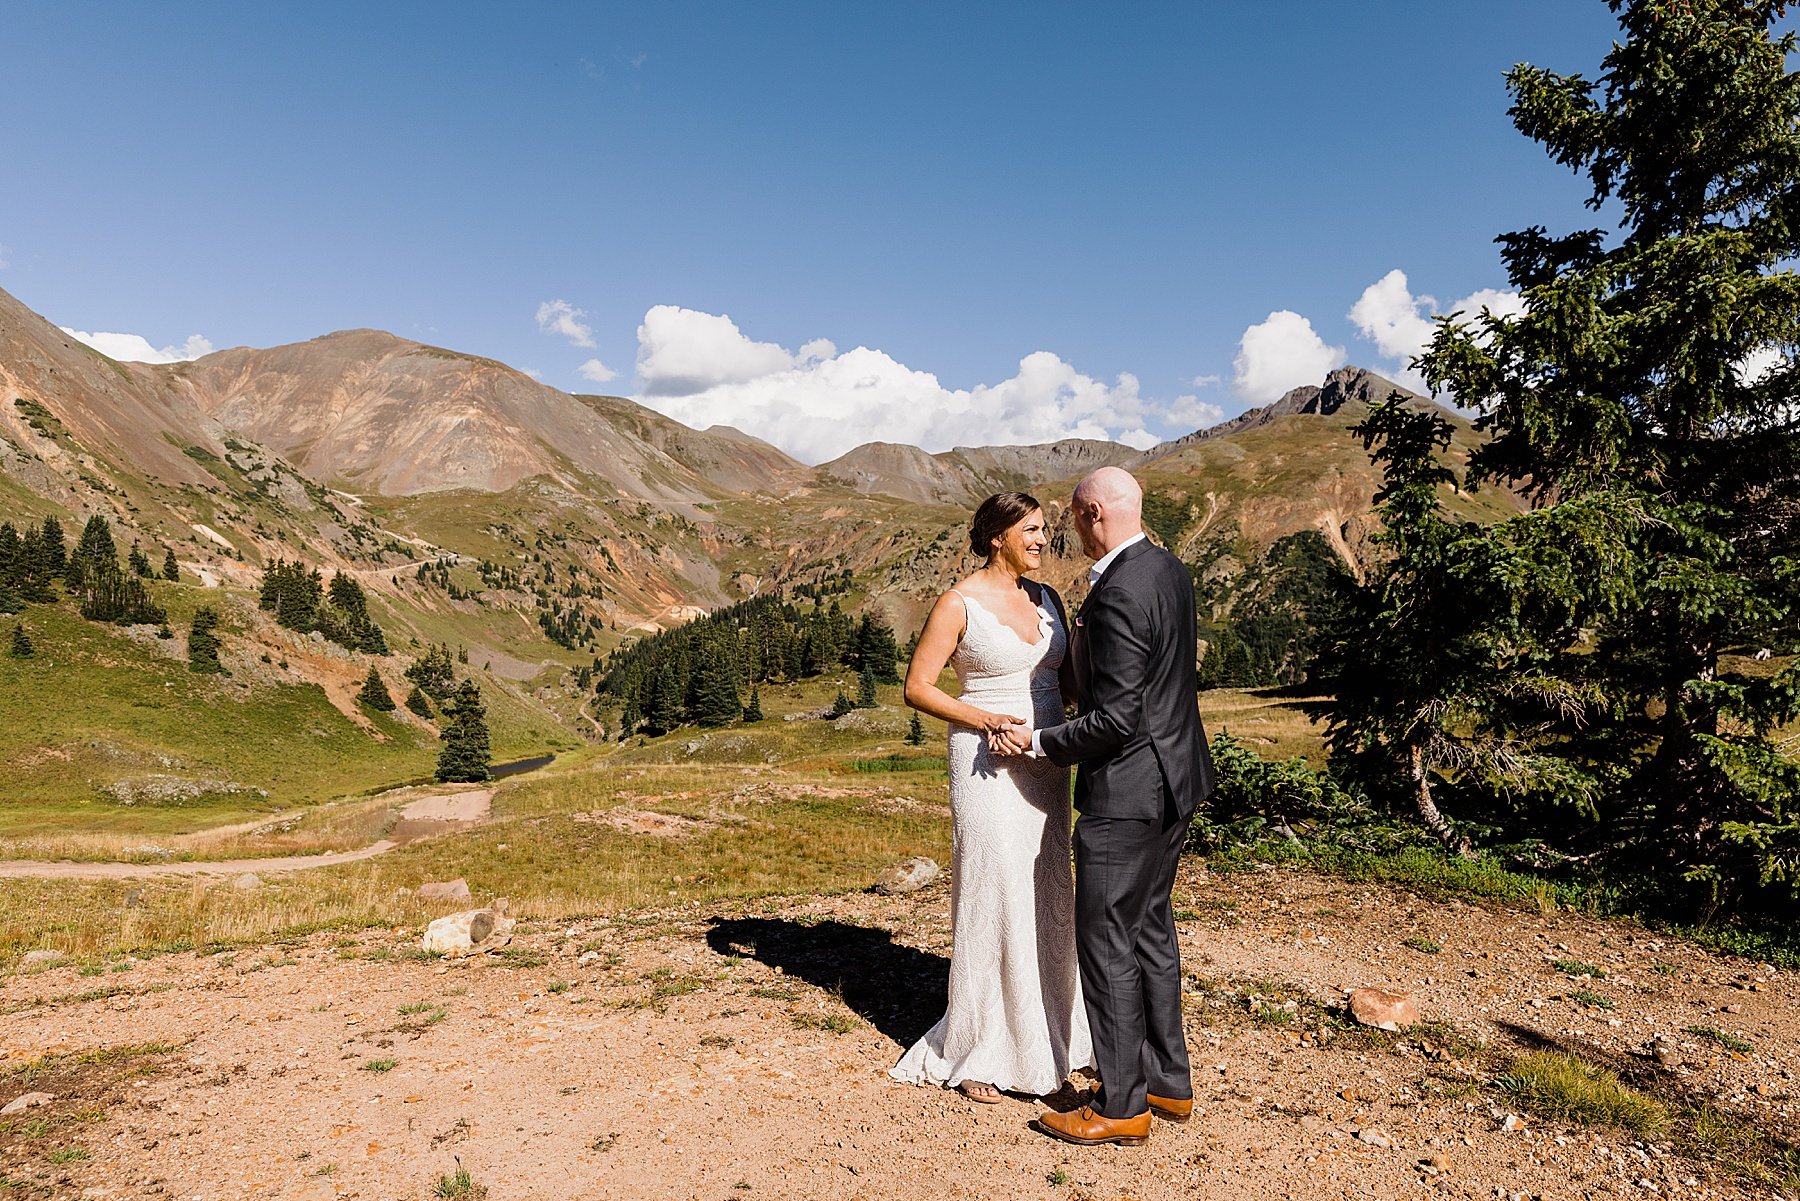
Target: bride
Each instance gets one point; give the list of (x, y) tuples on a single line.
[(1015, 1020)]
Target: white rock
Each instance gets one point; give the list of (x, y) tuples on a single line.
[(28, 1101), (248, 881), (466, 933), (450, 890), (908, 876), (44, 958)]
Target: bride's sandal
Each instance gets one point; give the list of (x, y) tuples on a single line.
[(984, 1094)]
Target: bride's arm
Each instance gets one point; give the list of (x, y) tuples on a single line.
[(937, 642)]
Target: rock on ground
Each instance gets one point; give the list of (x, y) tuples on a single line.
[(909, 876), (1383, 1009)]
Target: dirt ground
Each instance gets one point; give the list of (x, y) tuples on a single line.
[(741, 1052)]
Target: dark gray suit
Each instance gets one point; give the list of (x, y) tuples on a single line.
[(1142, 767)]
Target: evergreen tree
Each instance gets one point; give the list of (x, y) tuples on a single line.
[(662, 700), (753, 710), (203, 644), (21, 644), (171, 571), (56, 548), (865, 688), (108, 594), (415, 700), (374, 693), (713, 698), (94, 553), (139, 562), (840, 706), (434, 672), (915, 730), (466, 754), (1652, 373)]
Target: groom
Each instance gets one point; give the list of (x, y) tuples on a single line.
[(1143, 765)]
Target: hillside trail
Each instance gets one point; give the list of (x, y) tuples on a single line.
[(440, 813), (741, 1049)]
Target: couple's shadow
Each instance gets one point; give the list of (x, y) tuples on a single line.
[(896, 989)]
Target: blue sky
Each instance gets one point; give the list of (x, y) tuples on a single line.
[(931, 222)]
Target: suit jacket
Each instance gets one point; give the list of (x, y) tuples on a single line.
[(1138, 731)]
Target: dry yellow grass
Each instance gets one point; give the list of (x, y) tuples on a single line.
[(1273, 723), (757, 831)]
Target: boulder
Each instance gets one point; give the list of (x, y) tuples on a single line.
[(44, 958), (248, 881), (908, 876), (28, 1101), (470, 932), (448, 890), (1382, 1009)]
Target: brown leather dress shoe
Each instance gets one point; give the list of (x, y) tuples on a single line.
[(1174, 1109), (1088, 1129)]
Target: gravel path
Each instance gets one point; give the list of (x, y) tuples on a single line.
[(451, 811)]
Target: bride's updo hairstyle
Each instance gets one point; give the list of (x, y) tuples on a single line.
[(996, 515)]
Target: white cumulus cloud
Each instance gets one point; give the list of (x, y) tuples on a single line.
[(1278, 354), (817, 403), (1192, 413), (135, 348), (682, 352), (561, 317), (597, 371), (1399, 323)]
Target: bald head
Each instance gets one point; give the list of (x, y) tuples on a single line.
[(1108, 508), (1113, 487)]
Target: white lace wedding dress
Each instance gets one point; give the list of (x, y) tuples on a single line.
[(1015, 1018)]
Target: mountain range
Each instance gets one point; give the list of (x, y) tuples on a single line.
[(539, 529)]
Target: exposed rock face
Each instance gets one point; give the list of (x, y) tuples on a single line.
[(1343, 386), (116, 409), (728, 457), (377, 413), (969, 474)]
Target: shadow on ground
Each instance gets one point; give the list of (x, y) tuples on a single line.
[(896, 989)]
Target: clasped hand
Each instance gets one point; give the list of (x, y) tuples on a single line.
[(1011, 737)]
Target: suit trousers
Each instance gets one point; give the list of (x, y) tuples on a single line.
[(1130, 960)]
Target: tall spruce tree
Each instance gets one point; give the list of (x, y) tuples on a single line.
[(94, 553), (915, 730), (56, 547), (713, 698), (753, 707), (21, 647), (171, 570), (415, 701), (203, 644), (374, 692), (466, 755), (1652, 371)]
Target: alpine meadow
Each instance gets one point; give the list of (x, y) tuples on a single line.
[(426, 781)]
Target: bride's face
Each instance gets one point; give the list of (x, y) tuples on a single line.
[(1021, 548)]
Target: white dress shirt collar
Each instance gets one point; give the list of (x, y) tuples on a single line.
[(1106, 560)]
